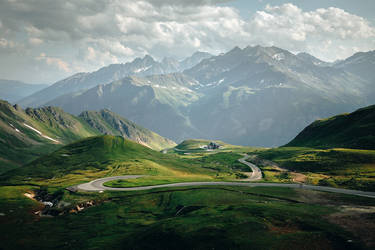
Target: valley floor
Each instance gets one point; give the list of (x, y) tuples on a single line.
[(213, 208), (190, 218), (99, 185)]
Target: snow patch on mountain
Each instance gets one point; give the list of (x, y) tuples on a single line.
[(40, 133), (221, 81), (278, 56), (158, 86), (16, 129), (143, 69)]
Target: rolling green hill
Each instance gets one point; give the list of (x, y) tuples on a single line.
[(355, 130), (108, 122), (107, 155), (30, 133), (93, 153)]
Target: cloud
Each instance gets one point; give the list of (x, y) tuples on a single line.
[(292, 22), (10, 47), (186, 3), (91, 33), (292, 28), (6, 44), (143, 25), (35, 41), (59, 63)]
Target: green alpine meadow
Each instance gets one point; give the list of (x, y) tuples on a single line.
[(187, 125)]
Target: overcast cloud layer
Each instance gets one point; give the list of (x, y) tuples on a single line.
[(44, 41)]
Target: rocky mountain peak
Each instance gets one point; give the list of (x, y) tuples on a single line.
[(148, 59)]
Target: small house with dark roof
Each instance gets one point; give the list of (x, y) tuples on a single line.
[(213, 145)]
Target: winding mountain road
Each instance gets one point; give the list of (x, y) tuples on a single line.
[(97, 185), (256, 174)]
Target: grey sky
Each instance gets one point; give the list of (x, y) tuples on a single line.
[(42, 41)]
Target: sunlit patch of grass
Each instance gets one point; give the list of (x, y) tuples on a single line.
[(277, 176), (156, 180), (338, 167)]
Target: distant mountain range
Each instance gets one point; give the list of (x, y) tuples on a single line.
[(159, 101), (355, 130), (265, 95), (27, 134), (361, 64), (83, 81), (260, 96), (13, 91)]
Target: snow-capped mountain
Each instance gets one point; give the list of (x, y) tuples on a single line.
[(82, 81), (251, 96)]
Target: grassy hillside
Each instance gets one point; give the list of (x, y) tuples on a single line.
[(103, 156), (27, 134), (354, 130), (108, 122), (338, 167), (30, 133), (63, 126), (187, 218), (338, 151)]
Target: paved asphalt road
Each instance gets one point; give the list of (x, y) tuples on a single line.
[(256, 174), (97, 185)]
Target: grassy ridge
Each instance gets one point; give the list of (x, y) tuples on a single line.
[(108, 122), (58, 124), (355, 130), (338, 151)]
